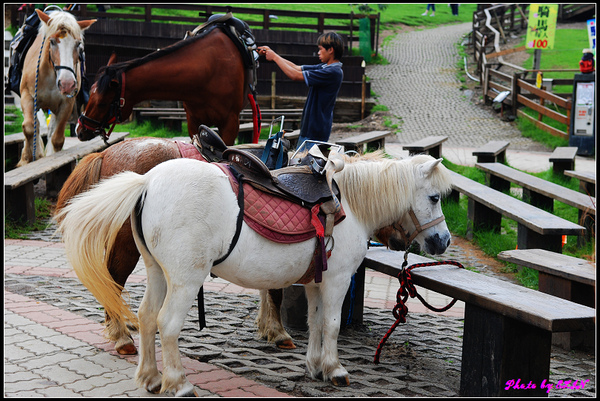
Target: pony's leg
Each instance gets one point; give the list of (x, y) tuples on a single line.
[(28, 116), (147, 374), (121, 262), (56, 131), (315, 331), (181, 294), (270, 326), (332, 293)]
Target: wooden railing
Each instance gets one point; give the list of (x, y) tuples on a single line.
[(344, 23), (524, 93), (492, 24)]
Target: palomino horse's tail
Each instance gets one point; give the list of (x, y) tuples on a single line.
[(86, 174), (89, 225)]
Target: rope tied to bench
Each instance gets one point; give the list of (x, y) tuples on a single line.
[(407, 288)]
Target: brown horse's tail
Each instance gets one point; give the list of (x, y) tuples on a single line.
[(86, 174)]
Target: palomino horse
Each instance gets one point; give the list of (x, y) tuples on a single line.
[(181, 201), (140, 155), (206, 72), (51, 79)]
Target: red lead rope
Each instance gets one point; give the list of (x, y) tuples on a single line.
[(407, 289)]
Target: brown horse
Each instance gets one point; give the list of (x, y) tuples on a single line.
[(50, 81), (206, 72), (140, 155)]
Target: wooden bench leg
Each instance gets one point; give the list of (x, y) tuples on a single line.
[(436, 151), (497, 183), (454, 196), (20, 203), (559, 167), (56, 179), (481, 217), (501, 157), (528, 239), (355, 299), (589, 222), (575, 292), (499, 351), (375, 145), (294, 307), (538, 200), (246, 137)]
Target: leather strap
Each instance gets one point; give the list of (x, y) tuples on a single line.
[(240, 217)]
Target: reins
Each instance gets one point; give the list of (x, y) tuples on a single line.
[(35, 109), (407, 289)]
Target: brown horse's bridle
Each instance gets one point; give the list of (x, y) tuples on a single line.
[(112, 117), (419, 228)]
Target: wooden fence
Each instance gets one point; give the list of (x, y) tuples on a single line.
[(343, 23), (134, 35), (524, 93), (492, 24)]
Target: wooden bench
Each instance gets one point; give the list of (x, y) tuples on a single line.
[(587, 180), (370, 140), (431, 145), (246, 132), (536, 228), (18, 183), (541, 193), (565, 277), (563, 158), (291, 115), (507, 328), (493, 151), (293, 138)]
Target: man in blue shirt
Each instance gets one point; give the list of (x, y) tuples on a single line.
[(324, 81)]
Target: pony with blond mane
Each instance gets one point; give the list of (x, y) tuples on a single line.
[(182, 200), (51, 80)]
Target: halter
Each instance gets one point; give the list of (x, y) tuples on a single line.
[(112, 117), (419, 228)]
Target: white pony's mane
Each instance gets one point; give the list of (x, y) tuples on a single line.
[(61, 20), (391, 182)]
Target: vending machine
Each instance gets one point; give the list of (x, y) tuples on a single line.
[(582, 132)]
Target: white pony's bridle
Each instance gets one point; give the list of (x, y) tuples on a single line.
[(418, 228)]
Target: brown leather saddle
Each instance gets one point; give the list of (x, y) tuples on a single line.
[(299, 184)]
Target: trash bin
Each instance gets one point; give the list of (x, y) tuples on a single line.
[(582, 132)]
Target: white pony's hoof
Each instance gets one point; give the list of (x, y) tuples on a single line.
[(187, 391), (340, 381), (152, 383)]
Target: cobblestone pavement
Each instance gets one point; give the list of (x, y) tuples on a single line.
[(54, 346), (53, 343), (421, 88)]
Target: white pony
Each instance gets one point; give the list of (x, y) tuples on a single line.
[(184, 216)]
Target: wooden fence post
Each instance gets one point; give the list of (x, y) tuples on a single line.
[(515, 92), (273, 74)]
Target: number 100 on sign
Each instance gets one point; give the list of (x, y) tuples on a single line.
[(538, 44)]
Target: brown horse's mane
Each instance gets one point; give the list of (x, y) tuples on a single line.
[(107, 73)]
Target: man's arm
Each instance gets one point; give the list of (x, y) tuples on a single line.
[(290, 69)]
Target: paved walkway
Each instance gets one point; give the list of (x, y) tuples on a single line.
[(53, 342), (420, 86)]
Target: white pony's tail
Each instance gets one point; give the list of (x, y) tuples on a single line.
[(89, 226)]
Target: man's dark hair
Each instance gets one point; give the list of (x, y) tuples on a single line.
[(332, 39)]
